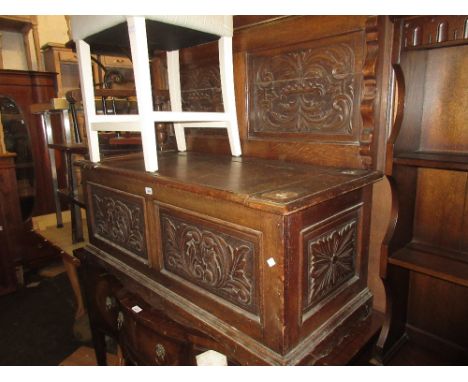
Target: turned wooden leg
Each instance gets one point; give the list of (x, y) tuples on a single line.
[(72, 274), (99, 343)]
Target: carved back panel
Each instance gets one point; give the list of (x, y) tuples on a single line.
[(306, 90)]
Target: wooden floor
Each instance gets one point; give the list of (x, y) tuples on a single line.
[(84, 356), (414, 354)]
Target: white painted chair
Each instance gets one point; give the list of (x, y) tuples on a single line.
[(169, 33)]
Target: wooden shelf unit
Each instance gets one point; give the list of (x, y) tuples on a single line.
[(444, 268), (24, 24), (441, 160), (426, 246)]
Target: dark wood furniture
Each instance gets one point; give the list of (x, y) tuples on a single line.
[(26, 88), (11, 223), (262, 258), (424, 262), (62, 60), (24, 24)]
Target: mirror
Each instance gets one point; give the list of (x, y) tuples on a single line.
[(16, 139)]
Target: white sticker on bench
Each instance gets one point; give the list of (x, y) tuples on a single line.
[(271, 262)]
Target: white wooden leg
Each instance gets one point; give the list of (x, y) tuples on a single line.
[(226, 71), (175, 94), (87, 91), (139, 48)]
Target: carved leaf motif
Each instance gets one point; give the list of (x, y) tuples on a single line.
[(309, 90), (119, 223), (331, 261), (216, 261)]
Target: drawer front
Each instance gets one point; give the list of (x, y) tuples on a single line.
[(147, 336), (155, 349), (68, 57), (105, 301), (116, 62)]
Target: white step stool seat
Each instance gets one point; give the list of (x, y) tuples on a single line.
[(85, 26), (169, 33)]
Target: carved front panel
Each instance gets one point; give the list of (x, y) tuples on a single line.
[(118, 220), (307, 90), (330, 258), (218, 260)]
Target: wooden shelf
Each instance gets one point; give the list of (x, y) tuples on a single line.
[(442, 160), (12, 116), (118, 93), (75, 148), (443, 268)]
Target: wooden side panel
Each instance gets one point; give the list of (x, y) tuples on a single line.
[(438, 308), (327, 264), (26, 88), (445, 101), (10, 224), (439, 211)]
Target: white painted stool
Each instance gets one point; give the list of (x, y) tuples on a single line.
[(169, 33)]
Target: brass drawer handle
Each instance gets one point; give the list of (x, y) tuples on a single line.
[(160, 353), (120, 320), (110, 303)]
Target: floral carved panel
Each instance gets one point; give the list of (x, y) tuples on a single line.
[(220, 262), (330, 260), (118, 220), (312, 89)]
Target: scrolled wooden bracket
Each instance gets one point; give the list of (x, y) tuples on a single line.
[(369, 91)]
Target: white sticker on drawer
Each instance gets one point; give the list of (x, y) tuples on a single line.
[(137, 309), (148, 191), (211, 358)]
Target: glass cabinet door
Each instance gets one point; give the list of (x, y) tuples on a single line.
[(17, 140)]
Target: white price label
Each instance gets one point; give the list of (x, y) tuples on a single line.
[(137, 309), (271, 262)]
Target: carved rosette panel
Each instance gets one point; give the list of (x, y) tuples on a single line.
[(219, 262), (331, 261), (119, 221), (304, 91), (201, 89)]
